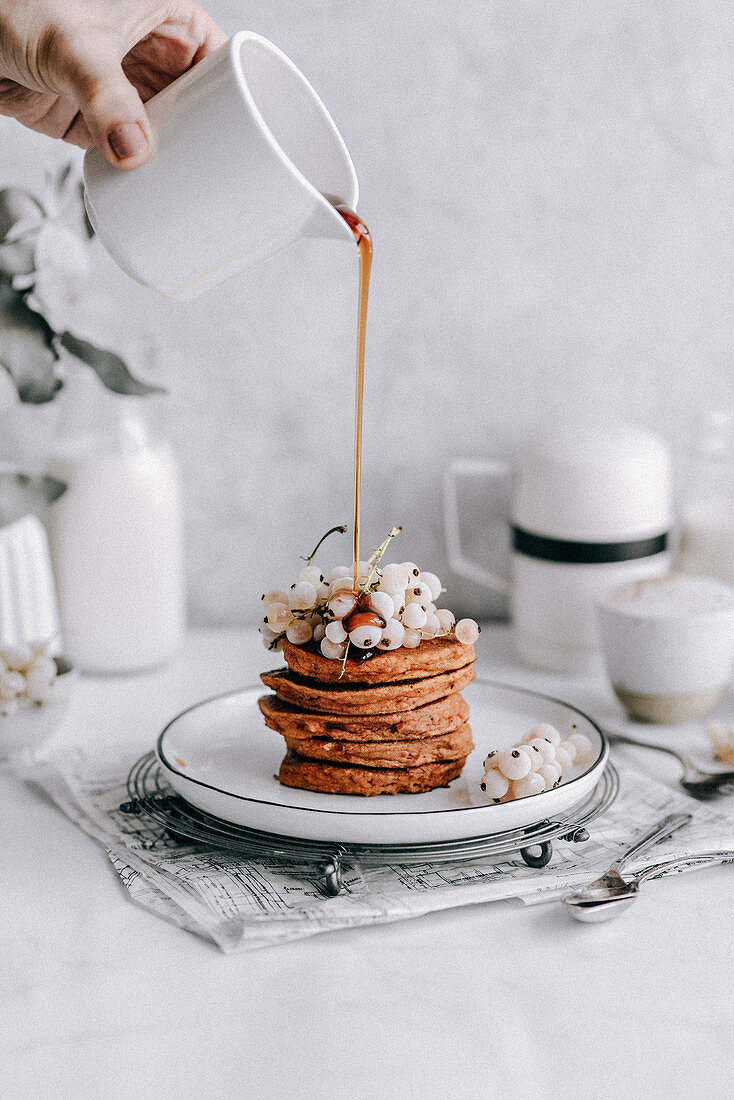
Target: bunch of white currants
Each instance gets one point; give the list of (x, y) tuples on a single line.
[(26, 672), (539, 763), (390, 606)]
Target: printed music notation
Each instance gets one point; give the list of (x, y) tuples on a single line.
[(245, 903)]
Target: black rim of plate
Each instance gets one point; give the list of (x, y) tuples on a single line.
[(602, 758)]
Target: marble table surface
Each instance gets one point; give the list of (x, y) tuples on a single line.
[(102, 999)]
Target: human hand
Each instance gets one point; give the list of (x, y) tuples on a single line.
[(81, 69)]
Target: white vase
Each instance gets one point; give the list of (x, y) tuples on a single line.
[(116, 537)]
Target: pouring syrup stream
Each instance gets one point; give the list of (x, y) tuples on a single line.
[(364, 252)]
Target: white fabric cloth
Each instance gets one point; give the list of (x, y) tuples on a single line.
[(103, 999)]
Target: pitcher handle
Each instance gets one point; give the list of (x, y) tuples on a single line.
[(468, 467)]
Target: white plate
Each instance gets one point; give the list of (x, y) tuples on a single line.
[(220, 757)]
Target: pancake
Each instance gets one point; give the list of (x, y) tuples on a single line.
[(429, 720), (386, 754), (361, 698), (432, 656), (311, 775)]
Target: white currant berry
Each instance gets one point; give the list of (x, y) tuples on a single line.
[(398, 600), (279, 617), (495, 784), (45, 666), (302, 596), (40, 686), (412, 571), (583, 746), (335, 632), (569, 748), (382, 604), (431, 626), (338, 573), (544, 746), (544, 729), (514, 764), (299, 632), (433, 583), (491, 759), (365, 637), (275, 595), (466, 631), (446, 620), (536, 757), (12, 684), (563, 761), (420, 593), (312, 574), (393, 577), (269, 635), (323, 591), (319, 631), (551, 775), (414, 616), (532, 783), (392, 635), (343, 584), (331, 650), (18, 657), (341, 604), (411, 639)]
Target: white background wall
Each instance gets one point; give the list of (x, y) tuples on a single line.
[(549, 187)]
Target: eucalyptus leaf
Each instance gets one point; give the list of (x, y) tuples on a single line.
[(27, 350), (17, 257), (21, 494), (110, 368), (17, 205)]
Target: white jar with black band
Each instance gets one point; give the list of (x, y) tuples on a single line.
[(591, 510)]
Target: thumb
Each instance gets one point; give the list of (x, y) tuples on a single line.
[(114, 114)]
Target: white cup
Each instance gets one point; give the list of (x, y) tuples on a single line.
[(590, 511), (245, 155), (668, 644)]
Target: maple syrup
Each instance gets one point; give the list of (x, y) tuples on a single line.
[(364, 253)]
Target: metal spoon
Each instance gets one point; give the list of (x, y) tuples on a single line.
[(601, 906), (611, 887), (699, 783)]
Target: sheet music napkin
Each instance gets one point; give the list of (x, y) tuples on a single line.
[(242, 904)]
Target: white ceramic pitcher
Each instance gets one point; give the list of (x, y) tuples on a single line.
[(246, 160), (590, 511)]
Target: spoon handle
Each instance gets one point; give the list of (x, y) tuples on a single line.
[(685, 863), (624, 739), (663, 829)]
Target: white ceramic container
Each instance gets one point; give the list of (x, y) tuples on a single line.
[(245, 154), (668, 644), (590, 510)]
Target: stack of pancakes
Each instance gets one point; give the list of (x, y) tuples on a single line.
[(392, 724)]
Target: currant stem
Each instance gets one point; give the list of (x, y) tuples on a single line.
[(341, 528), (377, 555), (344, 659)]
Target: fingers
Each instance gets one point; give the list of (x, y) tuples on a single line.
[(113, 114)]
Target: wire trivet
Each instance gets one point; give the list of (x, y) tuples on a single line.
[(151, 797)]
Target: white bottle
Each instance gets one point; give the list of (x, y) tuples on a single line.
[(707, 527), (116, 535)]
